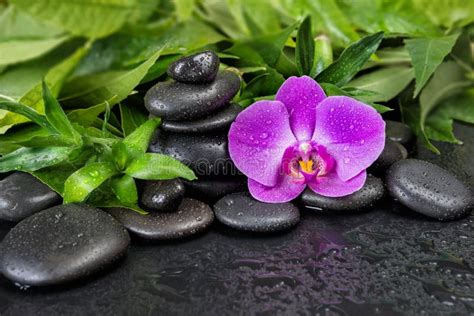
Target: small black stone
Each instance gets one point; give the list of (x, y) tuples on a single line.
[(198, 68), (242, 212), (214, 122), (372, 191), (176, 101), (191, 218), (206, 154), (162, 196), (399, 132), (428, 189), (391, 153), (22, 195), (62, 244), (210, 190)]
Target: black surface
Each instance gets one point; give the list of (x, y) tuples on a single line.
[(375, 263)]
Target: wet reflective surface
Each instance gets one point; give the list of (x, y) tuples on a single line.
[(384, 262)]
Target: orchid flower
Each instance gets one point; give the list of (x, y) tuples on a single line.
[(304, 138)]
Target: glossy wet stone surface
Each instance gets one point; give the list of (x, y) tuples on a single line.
[(375, 263), (210, 190), (372, 191), (198, 68), (62, 244), (214, 122), (240, 211), (181, 101), (206, 154), (399, 132), (162, 196), (391, 153), (22, 195), (192, 217), (428, 189)]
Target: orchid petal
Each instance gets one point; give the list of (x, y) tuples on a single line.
[(331, 185), (258, 139), (352, 132), (301, 95), (285, 190)]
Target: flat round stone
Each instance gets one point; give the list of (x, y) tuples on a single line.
[(391, 153), (162, 196), (192, 217), (428, 189), (62, 244), (206, 154), (198, 68), (212, 189), (213, 122), (372, 191), (22, 195), (176, 101), (242, 212), (398, 132)]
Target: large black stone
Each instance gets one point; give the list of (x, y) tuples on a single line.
[(212, 189), (198, 68), (242, 212), (214, 122), (191, 218), (175, 101), (162, 196), (429, 189), (22, 195), (62, 244)]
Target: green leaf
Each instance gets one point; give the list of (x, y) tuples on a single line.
[(86, 117), (387, 82), (323, 55), (125, 189), (120, 155), (27, 112), (184, 9), (351, 60), (304, 47), (265, 84), (16, 51), (158, 167), (33, 136), (131, 118), (426, 55), (32, 159), (140, 138), (94, 89), (85, 180)]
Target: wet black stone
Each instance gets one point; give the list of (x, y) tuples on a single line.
[(192, 217), (62, 244), (162, 196), (399, 132), (175, 101), (391, 153), (210, 190), (372, 191), (242, 212), (428, 189), (214, 122), (206, 154), (198, 68), (22, 195)]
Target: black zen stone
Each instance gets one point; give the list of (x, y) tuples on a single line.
[(175, 101), (398, 132), (214, 122), (162, 196), (192, 217), (22, 195), (392, 152), (428, 189), (206, 154), (198, 68), (372, 191), (242, 212), (212, 189), (62, 244)]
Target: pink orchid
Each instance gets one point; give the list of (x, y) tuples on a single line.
[(305, 138)]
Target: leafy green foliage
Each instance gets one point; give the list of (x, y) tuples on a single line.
[(304, 47)]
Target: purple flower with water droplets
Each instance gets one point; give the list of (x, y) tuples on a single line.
[(304, 138)]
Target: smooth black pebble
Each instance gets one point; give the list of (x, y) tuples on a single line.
[(162, 196), (206, 154), (372, 191), (210, 190), (214, 122), (198, 68), (399, 132), (62, 244), (428, 189), (22, 195), (176, 101), (242, 212), (192, 217), (392, 152)]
